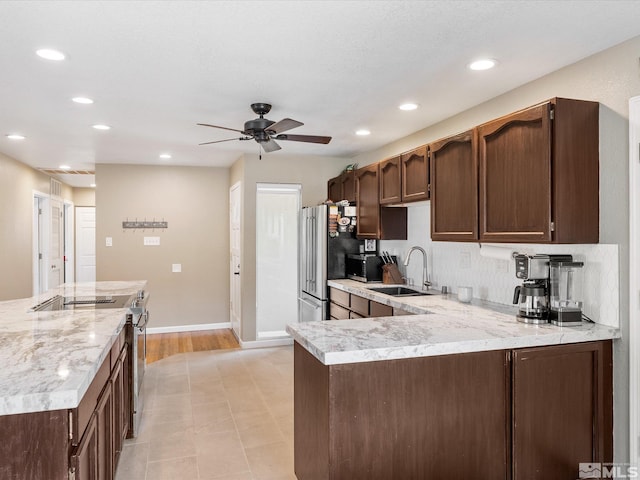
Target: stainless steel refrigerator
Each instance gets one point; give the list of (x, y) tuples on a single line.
[(327, 236)]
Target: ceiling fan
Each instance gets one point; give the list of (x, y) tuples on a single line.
[(266, 132)]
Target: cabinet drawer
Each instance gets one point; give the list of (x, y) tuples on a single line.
[(360, 305), (379, 310), (355, 315), (399, 311), (338, 296), (337, 312)]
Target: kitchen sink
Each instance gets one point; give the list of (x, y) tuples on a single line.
[(399, 291)]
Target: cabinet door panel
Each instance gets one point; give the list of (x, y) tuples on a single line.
[(515, 177), (368, 206), (454, 188), (559, 416), (360, 305), (84, 459), (104, 425), (415, 175), (348, 182), (390, 181), (334, 189), (337, 312)]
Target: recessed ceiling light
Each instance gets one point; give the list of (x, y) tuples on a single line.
[(166, 156), (50, 54), (15, 136), (483, 64), (82, 100), (64, 167), (408, 106), (92, 185), (102, 127), (363, 132)]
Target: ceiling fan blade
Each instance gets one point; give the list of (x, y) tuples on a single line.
[(216, 126), (304, 138), (284, 125), (270, 146), (220, 141)]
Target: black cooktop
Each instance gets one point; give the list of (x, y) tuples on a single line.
[(84, 302)]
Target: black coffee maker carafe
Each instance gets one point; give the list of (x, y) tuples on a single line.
[(532, 297)]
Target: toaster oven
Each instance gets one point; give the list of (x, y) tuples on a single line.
[(365, 267)]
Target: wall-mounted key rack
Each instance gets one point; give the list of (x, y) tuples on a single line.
[(144, 224)]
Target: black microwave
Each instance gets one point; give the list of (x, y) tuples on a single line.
[(365, 267)]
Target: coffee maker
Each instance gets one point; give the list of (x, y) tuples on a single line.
[(532, 297)]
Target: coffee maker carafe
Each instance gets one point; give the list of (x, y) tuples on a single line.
[(532, 297)]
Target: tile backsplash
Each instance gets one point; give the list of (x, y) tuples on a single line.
[(455, 264)]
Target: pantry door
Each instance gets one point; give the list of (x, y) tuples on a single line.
[(235, 243)]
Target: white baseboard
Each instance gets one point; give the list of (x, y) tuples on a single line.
[(189, 328), (267, 343)]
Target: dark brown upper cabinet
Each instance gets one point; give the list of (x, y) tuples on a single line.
[(539, 174), (390, 181), (342, 187), (334, 189), (454, 188), (374, 221), (405, 178), (368, 206), (348, 185), (415, 175)]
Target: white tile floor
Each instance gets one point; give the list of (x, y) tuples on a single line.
[(225, 414)]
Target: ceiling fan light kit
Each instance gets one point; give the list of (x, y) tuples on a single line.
[(265, 131)]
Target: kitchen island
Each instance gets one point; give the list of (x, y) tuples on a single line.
[(463, 392), (57, 367)]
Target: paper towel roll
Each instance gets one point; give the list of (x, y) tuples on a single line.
[(501, 253)]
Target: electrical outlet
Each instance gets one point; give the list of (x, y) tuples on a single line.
[(108, 242), (176, 267), (152, 241), (465, 260)]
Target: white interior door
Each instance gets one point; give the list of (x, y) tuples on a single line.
[(56, 251), (235, 242), (40, 243), (86, 244), (277, 214)]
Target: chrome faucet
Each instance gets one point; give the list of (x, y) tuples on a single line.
[(425, 277)]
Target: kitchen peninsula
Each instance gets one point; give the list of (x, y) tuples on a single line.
[(64, 385), (454, 391)]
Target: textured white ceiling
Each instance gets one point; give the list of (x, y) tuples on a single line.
[(156, 68)]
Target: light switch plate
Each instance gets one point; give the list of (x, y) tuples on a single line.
[(176, 267), (151, 241), (108, 241)]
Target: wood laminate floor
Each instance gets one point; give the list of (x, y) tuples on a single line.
[(162, 345)]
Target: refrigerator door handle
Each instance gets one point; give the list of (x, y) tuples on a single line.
[(309, 252)]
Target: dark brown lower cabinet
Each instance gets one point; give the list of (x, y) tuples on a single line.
[(562, 409), (420, 418), (516, 414), (38, 445), (105, 433), (83, 464)]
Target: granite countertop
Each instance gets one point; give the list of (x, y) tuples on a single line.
[(50, 358), (442, 325)]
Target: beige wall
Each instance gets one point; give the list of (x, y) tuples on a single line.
[(611, 78), (17, 184), (194, 202), (312, 172), (84, 197)]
